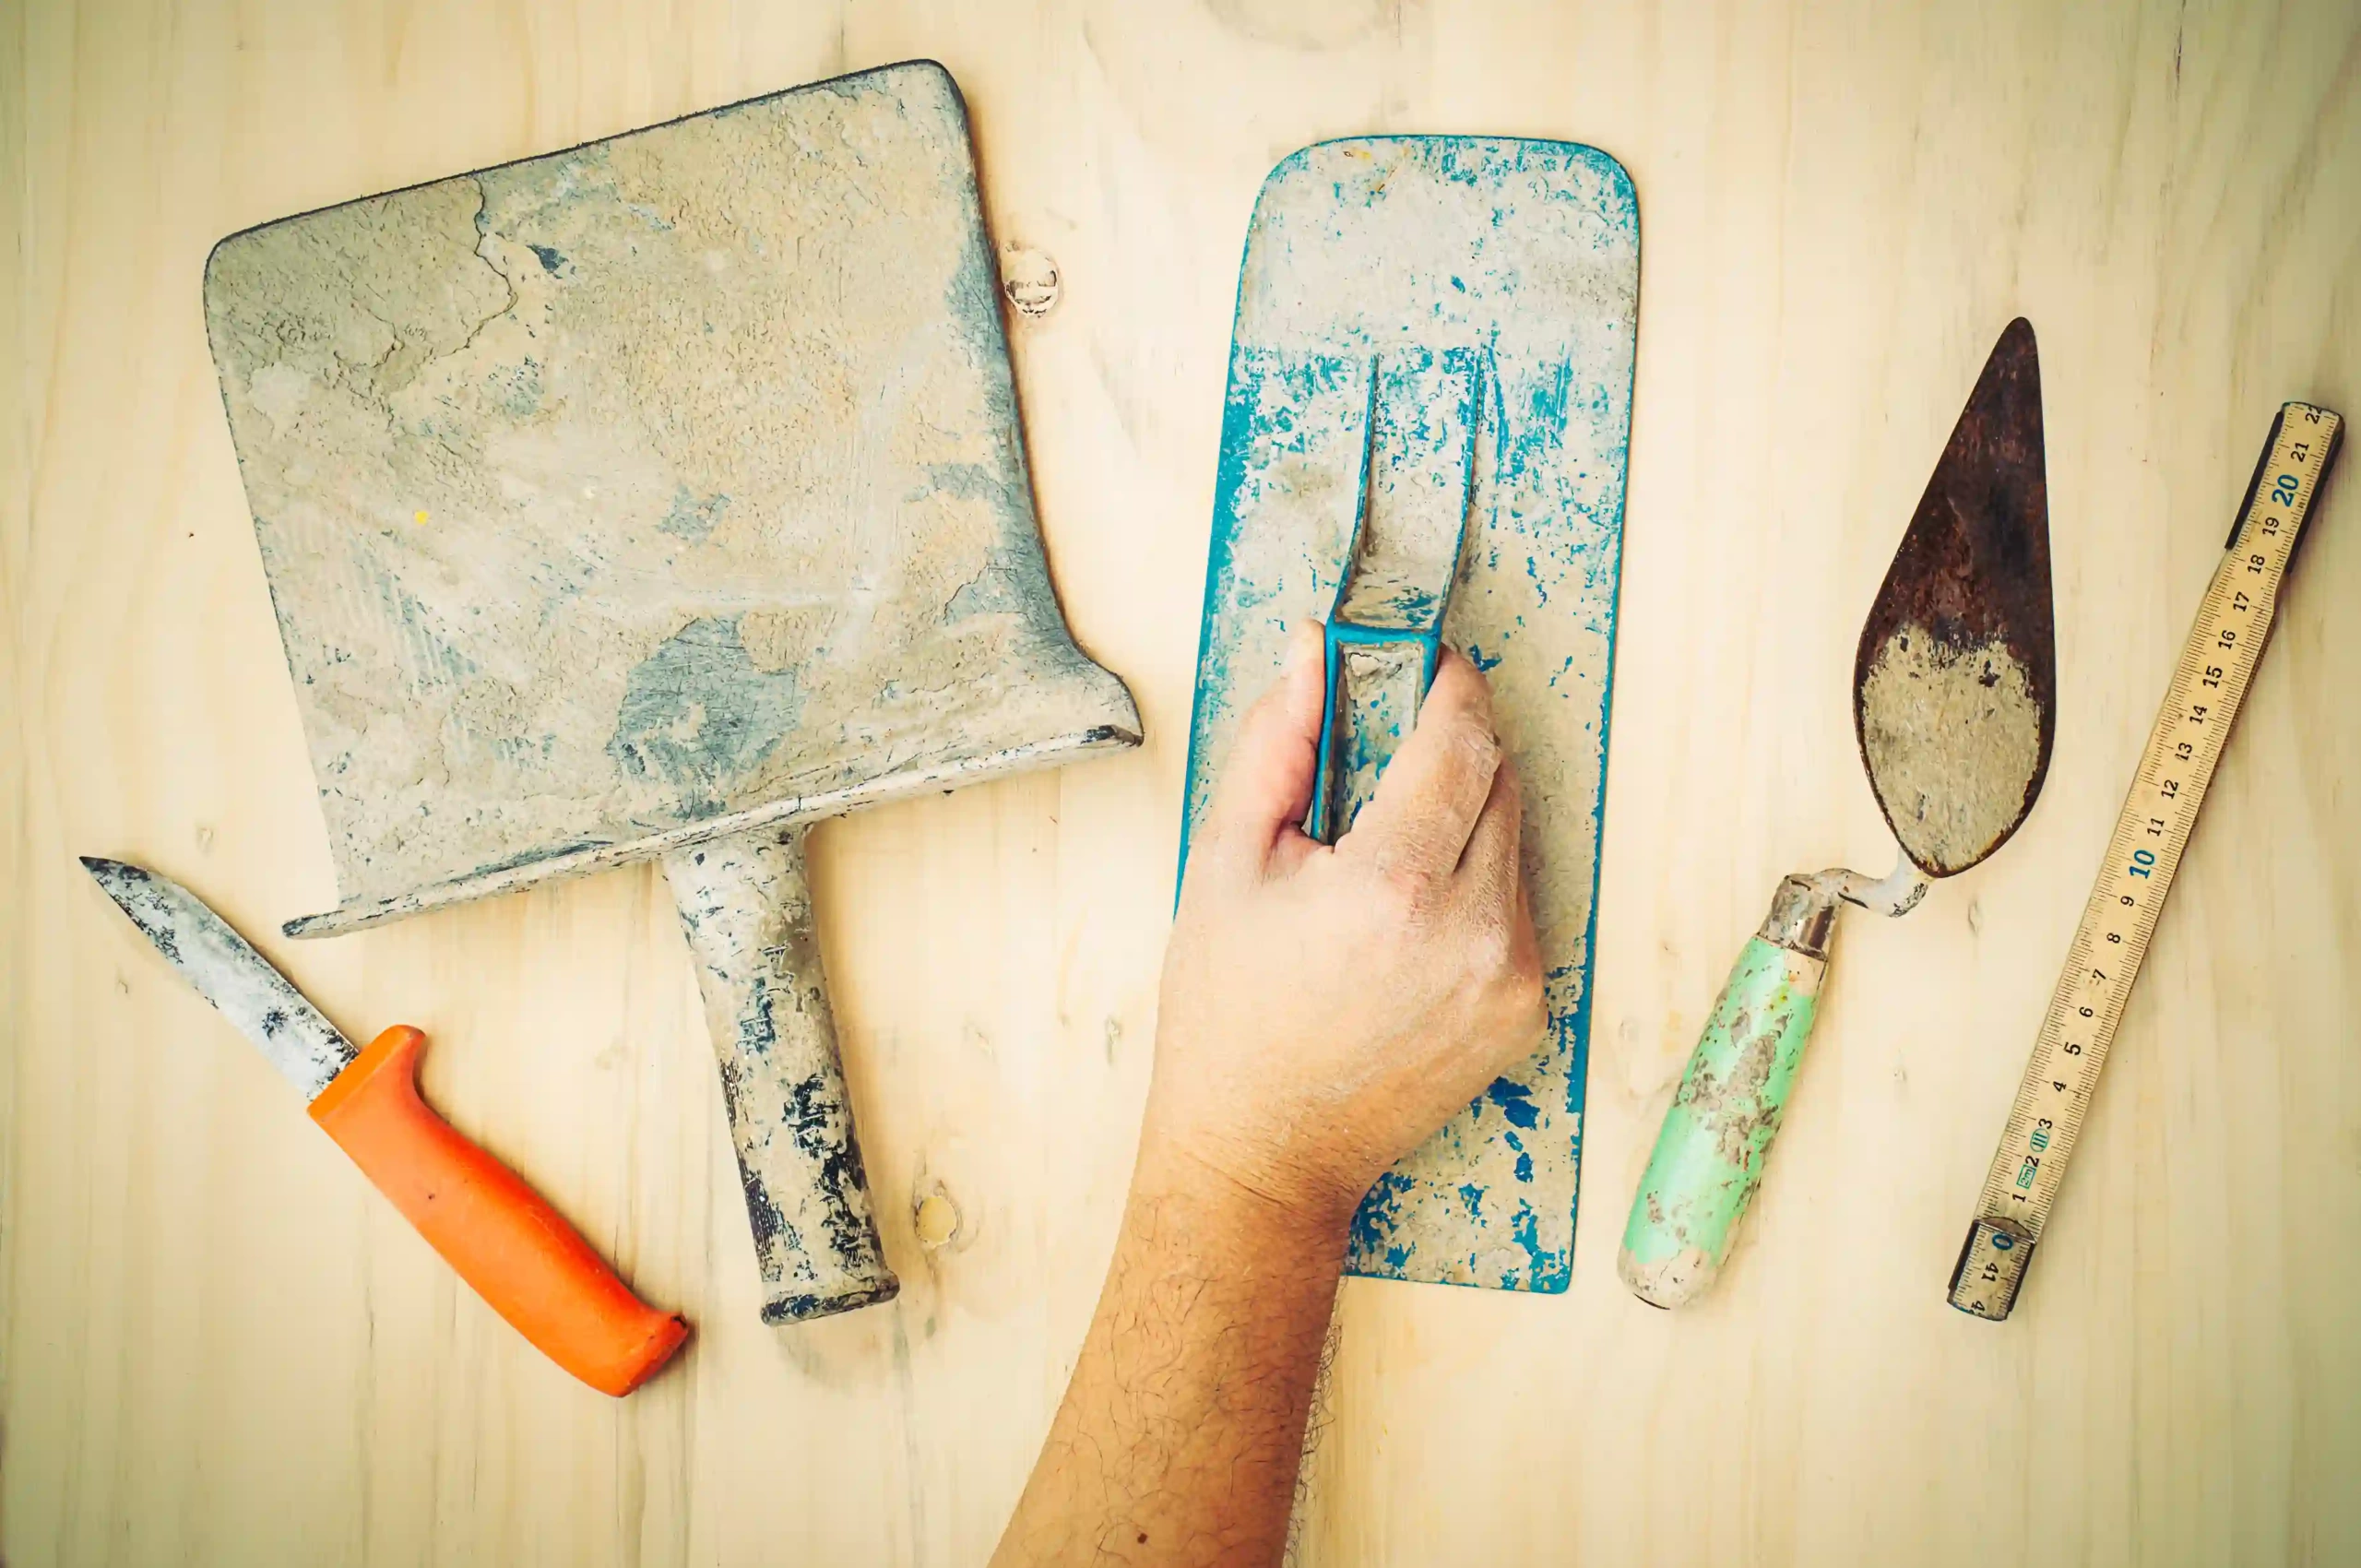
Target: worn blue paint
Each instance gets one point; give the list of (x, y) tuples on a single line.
[(699, 714), (1515, 1101), (692, 517), (1526, 253)]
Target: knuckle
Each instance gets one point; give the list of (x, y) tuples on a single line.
[(1512, 1009), (1523, 989), (1411, 891), (1506, 967), (1474, 743), (1491, 956), (1403, 894)]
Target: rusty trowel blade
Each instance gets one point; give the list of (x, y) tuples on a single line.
[(1956, 682)]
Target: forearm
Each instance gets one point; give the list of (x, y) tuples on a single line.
[(1324, 1008), (1180, 1433)]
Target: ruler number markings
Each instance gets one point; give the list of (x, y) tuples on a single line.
[(2143, 854)]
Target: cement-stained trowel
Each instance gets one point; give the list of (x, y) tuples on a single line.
[(1424, 441), (1955, 696)]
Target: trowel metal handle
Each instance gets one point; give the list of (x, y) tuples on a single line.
[(1420, 461), (746, 907), (1717, 1133), (1377, 677)]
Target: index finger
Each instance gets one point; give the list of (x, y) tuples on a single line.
[(1427, 804)]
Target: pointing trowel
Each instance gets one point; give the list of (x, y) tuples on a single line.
[(1954, 684), (519, 1255)]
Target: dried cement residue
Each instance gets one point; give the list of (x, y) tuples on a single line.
[(1407, 251), (1953, 738), (627, 489)]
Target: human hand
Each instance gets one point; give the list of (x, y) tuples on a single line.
[(1325, 1008)]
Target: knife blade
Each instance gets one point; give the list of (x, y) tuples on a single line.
[(527, 1262), (223, 967)]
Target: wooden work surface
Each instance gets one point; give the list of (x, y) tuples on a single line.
[(221, 1346)]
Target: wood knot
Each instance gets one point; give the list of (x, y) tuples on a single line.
[(936, 1219)]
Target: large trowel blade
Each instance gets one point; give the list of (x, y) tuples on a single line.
[(1956, 682)]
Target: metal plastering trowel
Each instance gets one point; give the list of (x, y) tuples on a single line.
[(654, 499), (1424, 441), (1384, 633), (1955, 696)]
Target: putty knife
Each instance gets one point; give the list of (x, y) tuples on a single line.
[(520, 1255), (1954, 699), (654, 499), (1424, 441)]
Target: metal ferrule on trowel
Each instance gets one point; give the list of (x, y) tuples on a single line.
[(1953, 701), (1384, 634)]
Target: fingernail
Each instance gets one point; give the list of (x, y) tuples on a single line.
[(1303, 646)]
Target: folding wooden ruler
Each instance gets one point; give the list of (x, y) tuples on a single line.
[(2232, 623)]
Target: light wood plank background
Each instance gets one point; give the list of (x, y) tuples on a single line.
[(221, 1348)]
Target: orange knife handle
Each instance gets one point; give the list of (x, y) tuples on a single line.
[(515, 1252)]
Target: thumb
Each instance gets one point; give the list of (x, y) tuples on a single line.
[(1266, 784)]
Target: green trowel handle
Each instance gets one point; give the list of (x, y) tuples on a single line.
[(1717, 1134)]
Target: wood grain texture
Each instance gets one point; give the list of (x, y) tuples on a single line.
[(221, 1348)]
